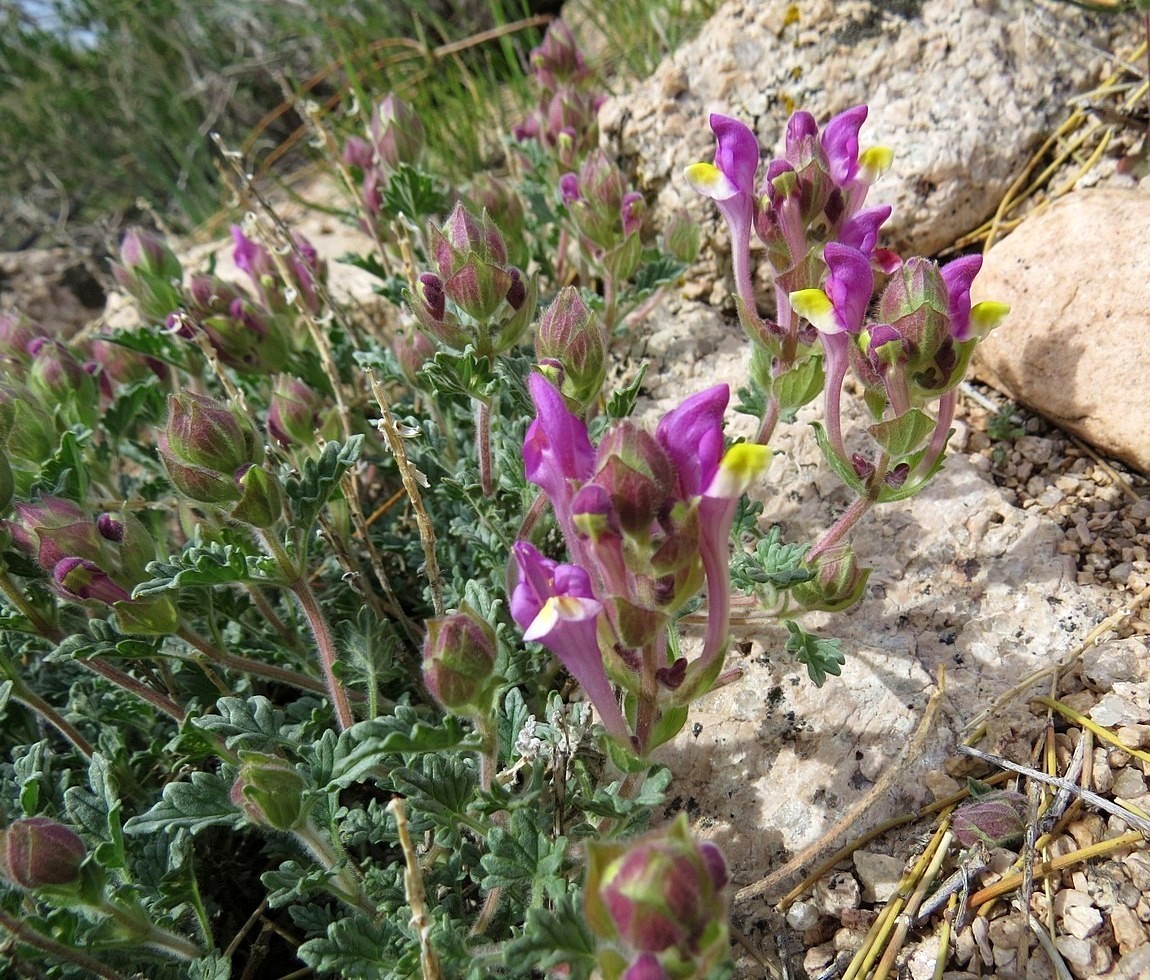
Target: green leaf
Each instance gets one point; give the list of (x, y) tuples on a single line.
[(292, 882), (658, 269), (412, 193), (353, 948), (771, 563), (30, 770), (65, 474), (461, 373), (821, 656), (442, 789), (249, 723), (206, 564), (552, 938), (622, 401), (799, 385), (842, 468), (202, 801), (214, 966), (140, 403), (310, 492), (365, 747), (606, 801), (520, 855), (98, 812), (902, 436), (752, 401)]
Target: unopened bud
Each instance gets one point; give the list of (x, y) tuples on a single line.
[(293, 413), (459, 662), (837, 584), (570, 334), (397, 132), (37, 852), (661, 895), (995, 819), (261, 498), (270, 792)]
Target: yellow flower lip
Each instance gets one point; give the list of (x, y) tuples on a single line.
[(815, 306), (740, 466), (710, 181)]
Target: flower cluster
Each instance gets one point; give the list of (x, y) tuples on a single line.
[(565, 119), (822, 245), (646, 519), (93, 560)]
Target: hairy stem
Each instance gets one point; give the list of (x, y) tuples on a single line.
[(25, 934), (483, 444)]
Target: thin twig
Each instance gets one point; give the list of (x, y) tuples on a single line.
[(411, 482), (413, 889), (1122, 813)]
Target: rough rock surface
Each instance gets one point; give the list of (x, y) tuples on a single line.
[(961, 90), (1074, 348)]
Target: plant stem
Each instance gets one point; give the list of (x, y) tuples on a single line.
[(31, 700), (648, 692), (344, 883), (321, 629), (23, 933), (328, 655), (835, 533), (146, 933), (27, 610), (248, 665), (157, 699), (483, 444), (770, 420)]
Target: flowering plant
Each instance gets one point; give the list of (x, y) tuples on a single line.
[(372, 635)]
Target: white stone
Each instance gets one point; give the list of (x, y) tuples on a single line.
[(1092, 384), (879, 874)]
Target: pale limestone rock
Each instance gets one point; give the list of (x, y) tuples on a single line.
[(961, 126), (1074, 346), (837, 893), (1129, 932), (1082, 921), (1117, 662), (879, 874)]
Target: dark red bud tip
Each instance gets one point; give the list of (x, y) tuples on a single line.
[(110, 529), (862, 466), (897, 477)]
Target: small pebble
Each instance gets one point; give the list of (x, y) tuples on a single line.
[(1128, 930), (1129, 783), (1082, 921)]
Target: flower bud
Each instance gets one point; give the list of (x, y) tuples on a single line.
[(412, 350), (681, 237), (637, 474), (270, 792), (37, 852), (16, 334), (204, 432), (79, 578), (261, 498), (995, 819), (53, 529), (293, 413), (570, 335), (660, 895), (56, 376), (397, 132), (459, 662), (837, 584), (150, 272)]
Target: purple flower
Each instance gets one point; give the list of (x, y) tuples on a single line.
[(557, 453), (692, 434), (730, 182), (554, 605), (840, 140), (958, 276)]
